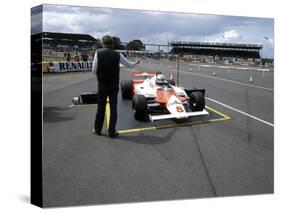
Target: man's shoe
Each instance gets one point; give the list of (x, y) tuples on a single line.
[(113, 135), (96, 132)]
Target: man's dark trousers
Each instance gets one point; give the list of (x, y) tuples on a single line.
[(105, 90)]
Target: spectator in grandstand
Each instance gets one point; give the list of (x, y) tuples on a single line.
[(106, 66), (77, 57), (68, 57), (84, 57)]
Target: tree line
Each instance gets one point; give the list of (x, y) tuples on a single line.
[(136, 44)]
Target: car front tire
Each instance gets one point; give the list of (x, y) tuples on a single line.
[(140, 107)]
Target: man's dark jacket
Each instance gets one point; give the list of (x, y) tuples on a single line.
[(108, 65)]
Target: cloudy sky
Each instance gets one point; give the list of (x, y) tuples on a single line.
[(155, 27)]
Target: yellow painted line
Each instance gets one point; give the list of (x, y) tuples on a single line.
[(170, 126), (107, 113), (137, 130), (224, 117), (217, 112)]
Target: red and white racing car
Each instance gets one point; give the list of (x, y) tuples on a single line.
[(156, 98)]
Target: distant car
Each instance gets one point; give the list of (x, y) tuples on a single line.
[(155, 98)]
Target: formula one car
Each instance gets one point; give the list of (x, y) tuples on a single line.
[(156, 98)]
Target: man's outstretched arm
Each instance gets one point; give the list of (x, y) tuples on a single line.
[(124, 61), (95, 63)]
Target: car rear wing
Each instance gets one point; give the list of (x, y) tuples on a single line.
[(189, 91)]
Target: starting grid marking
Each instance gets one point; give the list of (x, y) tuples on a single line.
[(224, 117)]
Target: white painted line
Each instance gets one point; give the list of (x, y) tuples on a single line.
[(242, 68), (233, 67), (226, 80), (239, 111), (262, 69)]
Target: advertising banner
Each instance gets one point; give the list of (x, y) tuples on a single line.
[(70, 66)]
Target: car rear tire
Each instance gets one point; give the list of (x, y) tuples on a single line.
[(126, 89), (140, 107), (196, 101)]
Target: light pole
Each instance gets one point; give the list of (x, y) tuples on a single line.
[(178, 70)]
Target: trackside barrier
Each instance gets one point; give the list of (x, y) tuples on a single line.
[(70, 66)]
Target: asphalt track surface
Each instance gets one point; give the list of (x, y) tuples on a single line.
[(148, 162)]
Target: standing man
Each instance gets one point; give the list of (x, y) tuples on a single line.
[(106, 66)]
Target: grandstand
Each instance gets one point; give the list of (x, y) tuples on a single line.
[(218, 51), (57, 46), (66, 42)]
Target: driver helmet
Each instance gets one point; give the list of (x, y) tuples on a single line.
[(160, 79)]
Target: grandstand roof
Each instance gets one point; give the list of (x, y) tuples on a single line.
[(68, 36), (210, 45)]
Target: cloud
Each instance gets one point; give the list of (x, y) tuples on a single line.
[(74, 22), (231, 35), (156, 27), (126, 23)]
